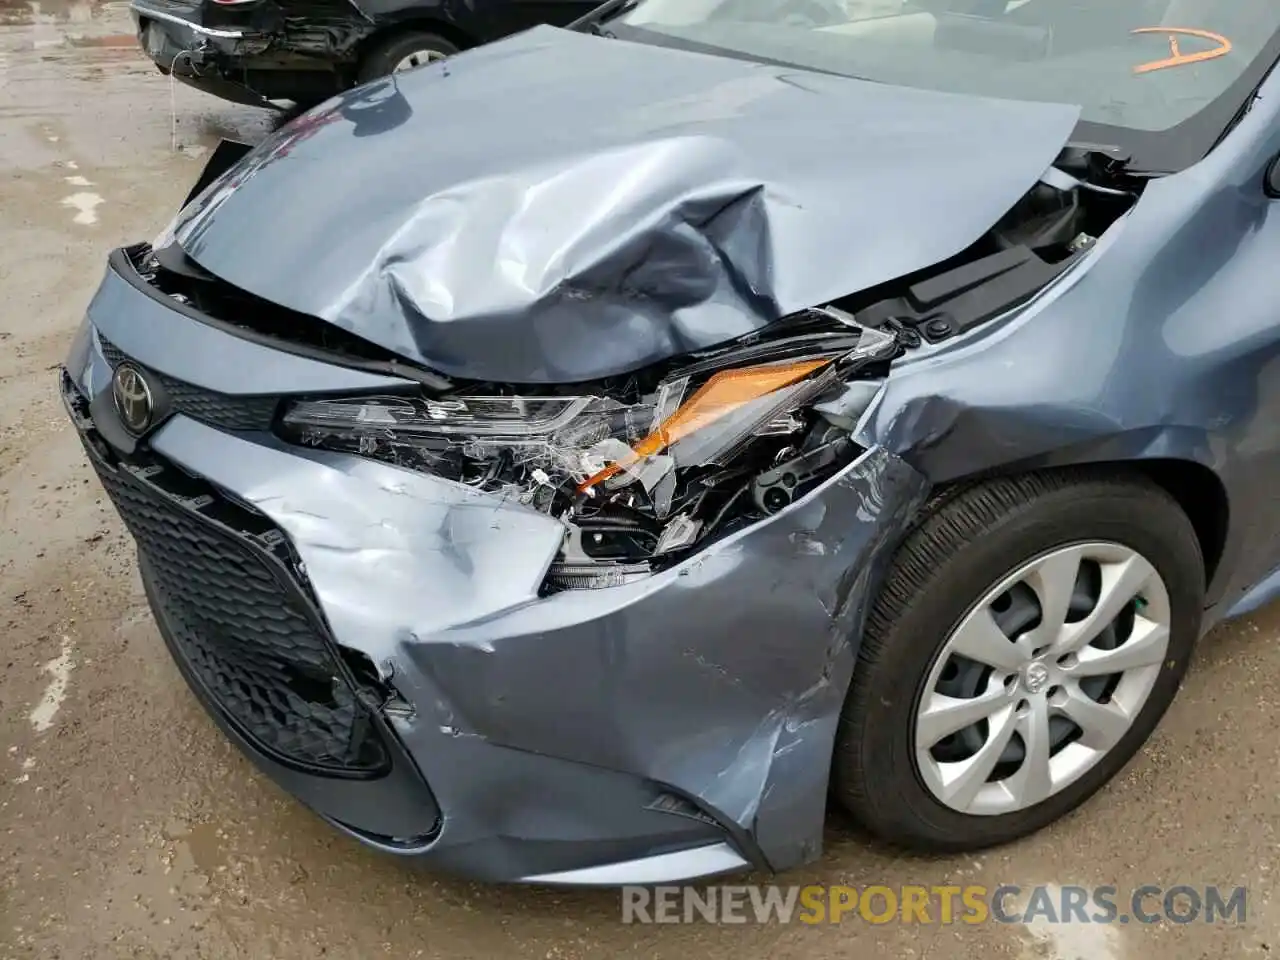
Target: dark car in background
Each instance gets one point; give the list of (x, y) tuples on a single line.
[(304, 51)]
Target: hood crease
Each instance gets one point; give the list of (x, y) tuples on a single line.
[(559, 207)]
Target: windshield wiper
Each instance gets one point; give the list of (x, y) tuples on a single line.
[(609, 10)]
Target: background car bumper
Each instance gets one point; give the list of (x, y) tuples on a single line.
[(207, 57), (570, 738)]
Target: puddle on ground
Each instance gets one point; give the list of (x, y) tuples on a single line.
[(86, 32), (25, 13), (52, 52)]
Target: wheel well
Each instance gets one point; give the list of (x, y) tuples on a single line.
[(459, 38), (1195, 488), (1202, 498)]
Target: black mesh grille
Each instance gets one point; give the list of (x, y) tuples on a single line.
[(245, 638), (258, 656), (222, 410)]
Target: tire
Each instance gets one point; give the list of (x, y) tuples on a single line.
[(386, 54), (970, 540)]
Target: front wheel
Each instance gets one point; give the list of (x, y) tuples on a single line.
[(403, 51), (1030, 634)]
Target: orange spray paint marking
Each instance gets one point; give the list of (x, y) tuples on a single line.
[(1178, 58)]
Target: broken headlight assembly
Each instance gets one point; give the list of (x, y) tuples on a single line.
[(640, 471)]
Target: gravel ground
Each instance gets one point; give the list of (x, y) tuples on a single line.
[(130, 828)]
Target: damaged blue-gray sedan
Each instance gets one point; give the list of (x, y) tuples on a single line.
[(579, 460)]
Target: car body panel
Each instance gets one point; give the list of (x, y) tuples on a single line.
[(1254, 599), (690, 200), (548, 727), (1161, 346)]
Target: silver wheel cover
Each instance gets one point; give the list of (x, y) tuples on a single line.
[(1049, 703), (418, 58)]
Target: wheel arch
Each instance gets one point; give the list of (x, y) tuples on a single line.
[(1174, 459), (1203, 498), (406, 21), (930, 586)]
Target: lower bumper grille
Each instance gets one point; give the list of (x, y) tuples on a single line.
[(243, 634)]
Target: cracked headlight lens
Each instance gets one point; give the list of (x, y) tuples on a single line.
[(514, 417), (638, 475), (480, 440), (596, 444)]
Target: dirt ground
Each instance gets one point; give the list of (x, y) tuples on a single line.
[(130, 828)]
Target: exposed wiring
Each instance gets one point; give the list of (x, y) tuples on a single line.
[(724, 510), (173, 99)]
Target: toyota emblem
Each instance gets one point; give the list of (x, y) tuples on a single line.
[(132, 398)]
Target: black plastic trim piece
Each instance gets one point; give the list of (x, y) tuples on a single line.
[(324, 793), (121, 263), (946, 286), (962, 298)]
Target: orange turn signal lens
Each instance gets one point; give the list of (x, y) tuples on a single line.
[(724, 393)]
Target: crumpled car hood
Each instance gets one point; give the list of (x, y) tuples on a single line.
[(560, 207)]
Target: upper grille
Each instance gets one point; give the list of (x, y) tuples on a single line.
[(223, 410), (244, 637)]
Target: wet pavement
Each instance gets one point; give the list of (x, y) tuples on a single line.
[(130, 828)]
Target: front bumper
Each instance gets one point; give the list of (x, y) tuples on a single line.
[(660, 731)]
